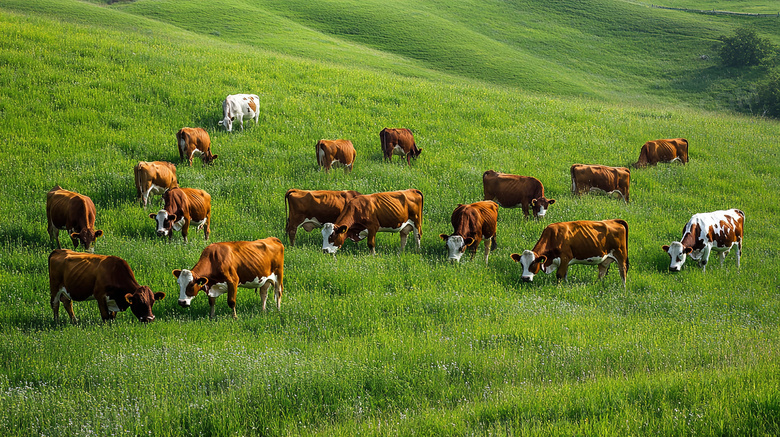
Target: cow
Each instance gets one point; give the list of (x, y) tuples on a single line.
[(398, 142), (705, 232), (223, 267), (153, 178), (237, 107), (312, 209), (472, 223), (74, 213), (668, 150), (580, 242), (365, 215), (600, 178), (183, 206), (511, 191), (194, 141), (335, 152), (76, 276)]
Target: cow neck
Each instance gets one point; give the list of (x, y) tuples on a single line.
[(689, 235)]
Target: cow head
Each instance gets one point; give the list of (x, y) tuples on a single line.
[(677, 252), (208, 158), (333, 237), (227, 122), (87, 238), (456, 246), (540, 206), (166, 223), (141, 301), (531, 264), (189, 286)]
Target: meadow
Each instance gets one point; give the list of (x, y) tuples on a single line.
[(392, 344)]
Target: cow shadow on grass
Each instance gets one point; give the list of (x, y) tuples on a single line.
[(19, 236)]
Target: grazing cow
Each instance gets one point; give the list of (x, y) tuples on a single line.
[(365, 215), (73, 212), (312, 209), (510, 190), (335, 152), (194, 141), (223, 267), (657, 151), (107, 279), (472, 223), (582, 242), (153, 178), (238, 107), (183, 206), (398, 142), (705, 232), (589, 178)]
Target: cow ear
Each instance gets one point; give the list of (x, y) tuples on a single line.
[(159, 296), (129, 298), (75, 237), (172, 217), (341, 230), (468, 241), (540, 259), (665, 248), (444, 237), (213, 157), (533, 202), (516, 257), (221, 122), (176, 273), (202, 281), (551, 201), (688, 250), (153, 216), (98, 233)]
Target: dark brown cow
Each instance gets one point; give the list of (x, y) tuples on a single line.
[(194, 141), (705, 232), (511, 191), (153, 178), (668, 150), (582, 242), (183, 206), (600, 178), (335, 153), (312, 209), (472, 223), (398, 142), (73, 212), (107, 279), (365, 215), (223, 267)]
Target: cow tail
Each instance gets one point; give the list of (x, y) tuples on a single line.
[(422, 203), (287, 208), (625, 225), (573, 181)]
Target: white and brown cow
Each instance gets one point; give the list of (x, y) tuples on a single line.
[(75, 276), (153, 178), (472, 223), (667, 150), (580, 242), (183, 207), (705, 232), (223, 267), (365, 215), (335, 153), (398, 142), (312, 209), (238, 107), (73, 212), (511, 191), (600, 178), (194, 141)]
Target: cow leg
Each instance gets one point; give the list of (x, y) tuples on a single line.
[(68, 304), (371, 241), (563, 270), (623, 269), (105, 314), (55, 302), (525, 209), (185, 230), (207, 228), (212, 304), (488, 244), (723, 257), (291, 235), (739, 252), (231, 298), (279, 288), (604, 267), (54, 235), (263, 291)]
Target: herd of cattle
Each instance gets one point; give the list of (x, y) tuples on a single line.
[(223, 267)]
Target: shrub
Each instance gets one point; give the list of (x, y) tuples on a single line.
[(744, 48), (768, 92)]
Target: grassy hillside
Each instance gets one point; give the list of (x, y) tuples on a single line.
[(391, 344)]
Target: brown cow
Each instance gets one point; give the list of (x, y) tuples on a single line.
[(312, 209), (657, 151), (107, 279), (582, 242), (335, 153), (705, 232), (194, 141), (223, 267), (73, 212), (472, 223), (153, 178), (182, 207), (398, 142), (590, 178), (510, 190), (365, 215)]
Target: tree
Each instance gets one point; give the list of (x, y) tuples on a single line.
[(768, 93), (744, 48)]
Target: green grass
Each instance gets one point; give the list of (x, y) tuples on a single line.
[(391, 344)]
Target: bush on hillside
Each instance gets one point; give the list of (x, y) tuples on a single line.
[(768, 93), (745, 48)]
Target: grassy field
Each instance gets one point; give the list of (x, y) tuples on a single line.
[(388, 344)]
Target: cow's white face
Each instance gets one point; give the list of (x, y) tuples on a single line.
[(531, 264), (184, 280), (456, 246), (327, 233), (677, 252), (161, 218), (228, 123)]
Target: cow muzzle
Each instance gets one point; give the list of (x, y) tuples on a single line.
[(674, 269), (184, 303), (146, 319), (527, 278)]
